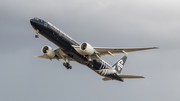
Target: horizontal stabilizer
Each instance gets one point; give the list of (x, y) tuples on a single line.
[(130, 76), (106, 79)]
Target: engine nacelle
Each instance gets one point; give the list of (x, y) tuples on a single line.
[(48, 51), (86, 49)]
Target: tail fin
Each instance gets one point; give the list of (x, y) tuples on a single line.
[(119, 65)]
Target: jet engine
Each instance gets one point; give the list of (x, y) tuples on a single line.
[(48, 51), (86, 49)]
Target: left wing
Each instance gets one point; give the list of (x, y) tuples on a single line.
[(105, 51), (113, 51)]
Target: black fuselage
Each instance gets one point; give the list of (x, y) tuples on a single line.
[(64, 42)]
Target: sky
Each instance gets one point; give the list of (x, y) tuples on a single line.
[(101, 23)]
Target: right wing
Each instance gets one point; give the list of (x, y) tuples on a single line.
[(43, 56)]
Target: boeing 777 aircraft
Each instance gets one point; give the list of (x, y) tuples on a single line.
[(84, 53)]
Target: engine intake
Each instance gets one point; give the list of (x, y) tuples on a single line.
[(48, 51), (86, 49)]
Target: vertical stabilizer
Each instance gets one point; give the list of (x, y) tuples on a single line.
[(119, 65)]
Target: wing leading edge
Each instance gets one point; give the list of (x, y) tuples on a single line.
[(109, 51)]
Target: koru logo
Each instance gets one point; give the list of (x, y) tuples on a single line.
[(120, 65)]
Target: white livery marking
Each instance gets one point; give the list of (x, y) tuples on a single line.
[(120, 65), (104, 72)]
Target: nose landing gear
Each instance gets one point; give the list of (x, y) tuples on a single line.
[(36, 36), (37, 31)]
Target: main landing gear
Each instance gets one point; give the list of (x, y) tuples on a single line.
[(67, 65)]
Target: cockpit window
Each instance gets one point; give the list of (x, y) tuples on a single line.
[(39, 20), (36, 18)]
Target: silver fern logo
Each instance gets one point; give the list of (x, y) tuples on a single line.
[(104, 72), (120, 65)]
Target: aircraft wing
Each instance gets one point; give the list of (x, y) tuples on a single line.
[(105, 51), (42, 56), (113, 51), (45, 57), (59, 54), (129, 76)]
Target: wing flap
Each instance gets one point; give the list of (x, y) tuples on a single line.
[(130, 76)]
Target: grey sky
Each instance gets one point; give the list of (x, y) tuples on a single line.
[(116, 23)]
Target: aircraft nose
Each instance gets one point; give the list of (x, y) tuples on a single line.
[(32, 21), (36, 23)]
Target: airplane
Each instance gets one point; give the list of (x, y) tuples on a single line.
[(84, 53)]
